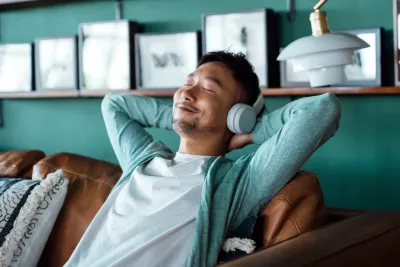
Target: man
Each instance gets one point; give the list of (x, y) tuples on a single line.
[(176, 210)]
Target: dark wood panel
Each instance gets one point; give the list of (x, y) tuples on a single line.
[(15, 4)]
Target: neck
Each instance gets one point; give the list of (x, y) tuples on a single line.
[(205, 146)]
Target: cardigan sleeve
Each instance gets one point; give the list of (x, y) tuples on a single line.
[(126, 116), (288, 137)]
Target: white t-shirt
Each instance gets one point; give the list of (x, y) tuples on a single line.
[(148, 220)]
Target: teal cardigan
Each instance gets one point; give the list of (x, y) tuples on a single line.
[(234, 190)]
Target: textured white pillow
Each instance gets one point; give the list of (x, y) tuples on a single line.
[(24, 244)]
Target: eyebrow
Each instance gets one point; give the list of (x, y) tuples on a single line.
[(210, 78)]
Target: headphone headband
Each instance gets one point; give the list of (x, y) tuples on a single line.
[(258, 105)]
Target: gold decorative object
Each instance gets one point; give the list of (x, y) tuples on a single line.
[(319, 21)]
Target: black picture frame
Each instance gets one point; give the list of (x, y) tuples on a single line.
[(377, 82), (19, 69), (195, 54), (396, 45), (270, 44), (125, 35), (73, 81)]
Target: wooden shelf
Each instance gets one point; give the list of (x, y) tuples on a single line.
[(169, 93), (334, 90), (40, 94), (268, 91), (100, 93)]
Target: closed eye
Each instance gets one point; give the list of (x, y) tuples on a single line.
[(209, 90)]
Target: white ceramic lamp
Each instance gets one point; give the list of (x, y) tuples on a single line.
[(323, 55)]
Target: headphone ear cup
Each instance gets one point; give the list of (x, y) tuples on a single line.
[(241, 119), (231, 118)]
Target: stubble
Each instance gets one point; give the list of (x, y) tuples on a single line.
[(191, 127)]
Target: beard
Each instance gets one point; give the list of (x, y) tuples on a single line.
[(191, 127)]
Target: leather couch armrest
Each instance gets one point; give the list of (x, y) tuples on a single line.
[(297, 208), (368, 239), (77, 167), (19, 163), (340, 214)]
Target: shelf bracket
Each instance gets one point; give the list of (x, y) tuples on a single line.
[(291, 13), (119, 12)]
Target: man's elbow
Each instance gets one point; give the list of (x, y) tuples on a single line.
[(108, 102), (332, 109), (332, 106)]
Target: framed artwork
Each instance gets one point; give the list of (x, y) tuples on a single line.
[(164, 60), (56, 64), (366, 69), (106, 55), (16, 67), (396, 41), (252, 32), (292, 75)]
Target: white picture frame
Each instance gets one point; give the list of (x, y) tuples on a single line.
[(367, 67), (164, 60), (56, 63), (106, 55), (16, 67), (251, 32)]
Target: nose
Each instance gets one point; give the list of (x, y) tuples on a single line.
[(189, 94)]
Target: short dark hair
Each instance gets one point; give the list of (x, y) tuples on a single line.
[(243, 71)]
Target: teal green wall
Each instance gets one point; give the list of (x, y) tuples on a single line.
[(358, 168)]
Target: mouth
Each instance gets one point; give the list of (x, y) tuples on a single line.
[(187, 108)]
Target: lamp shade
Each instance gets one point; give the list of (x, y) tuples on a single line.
[(324, 56)]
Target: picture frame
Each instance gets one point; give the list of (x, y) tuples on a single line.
[(56, 64), (367, 69), (396, 41), (164, 60), (16, 67), (253, 32), (291, 76), (107, 55)]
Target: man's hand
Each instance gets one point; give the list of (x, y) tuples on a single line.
[(240, 141)]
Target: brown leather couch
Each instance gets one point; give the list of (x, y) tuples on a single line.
[(294, 229)]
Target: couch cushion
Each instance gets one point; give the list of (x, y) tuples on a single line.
[(297, 208), (28, 210), (90, 182), (19, 163)]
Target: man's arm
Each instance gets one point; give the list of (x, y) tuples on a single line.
[(126, 116), (317, 107), (288, 137)]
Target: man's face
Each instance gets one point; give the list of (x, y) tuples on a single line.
[(202, 104)]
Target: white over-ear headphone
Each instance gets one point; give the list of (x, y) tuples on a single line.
[(242, 117)]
